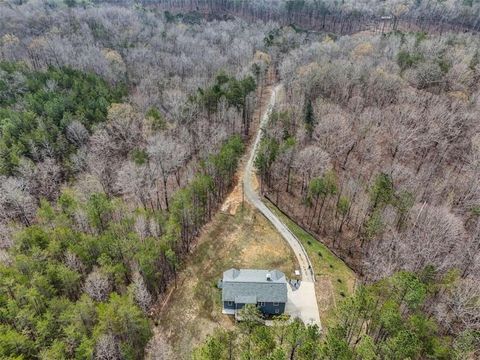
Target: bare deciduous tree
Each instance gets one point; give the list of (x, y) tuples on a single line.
[(77, 133), (107, 348), (140, 292), (167, 156), (16, 204), (98, 285), (74, 262)]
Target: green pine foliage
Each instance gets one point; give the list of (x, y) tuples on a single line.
[(36, 108), (383, 193), (406, 60), (44, 306), (383, 320), (156, 119), (267, 153), (309, 119), (233, 90)]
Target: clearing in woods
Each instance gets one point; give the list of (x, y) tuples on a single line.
[(194, 309)]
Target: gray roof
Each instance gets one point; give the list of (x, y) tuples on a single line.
[(245, 299), (252, 285)]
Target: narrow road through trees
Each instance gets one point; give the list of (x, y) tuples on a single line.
[(302, 302)]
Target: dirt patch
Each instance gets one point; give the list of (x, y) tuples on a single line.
[(235, 198), (233, 202)]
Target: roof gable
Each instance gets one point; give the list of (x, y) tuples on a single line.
[(246, 283), (253, 275)]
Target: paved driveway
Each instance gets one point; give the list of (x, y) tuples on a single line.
[(301, 303), (253, 197)]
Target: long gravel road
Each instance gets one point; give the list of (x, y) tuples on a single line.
[(304, 303)]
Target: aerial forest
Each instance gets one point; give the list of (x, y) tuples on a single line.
[(123, 124)]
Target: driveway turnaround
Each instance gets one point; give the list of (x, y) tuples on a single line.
[(302, 302)]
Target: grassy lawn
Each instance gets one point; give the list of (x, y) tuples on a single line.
[(243, 240), (334, 279)]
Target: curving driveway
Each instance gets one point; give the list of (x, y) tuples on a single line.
[(302, 302)]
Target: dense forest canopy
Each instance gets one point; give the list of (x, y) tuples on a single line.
[(375, 149), (382, 321), (107, 175), (48, 114), (346, 16), (377, 7), (121, 128), (398, 132)]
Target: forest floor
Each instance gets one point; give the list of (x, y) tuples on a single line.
[(194, 309), (334, 279)]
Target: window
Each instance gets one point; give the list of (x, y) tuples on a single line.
[(261, 304), (275, 304)]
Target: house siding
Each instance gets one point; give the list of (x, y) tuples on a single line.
[(268, 308), (227, 306)]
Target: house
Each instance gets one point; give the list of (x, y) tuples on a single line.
[(265, 288)]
